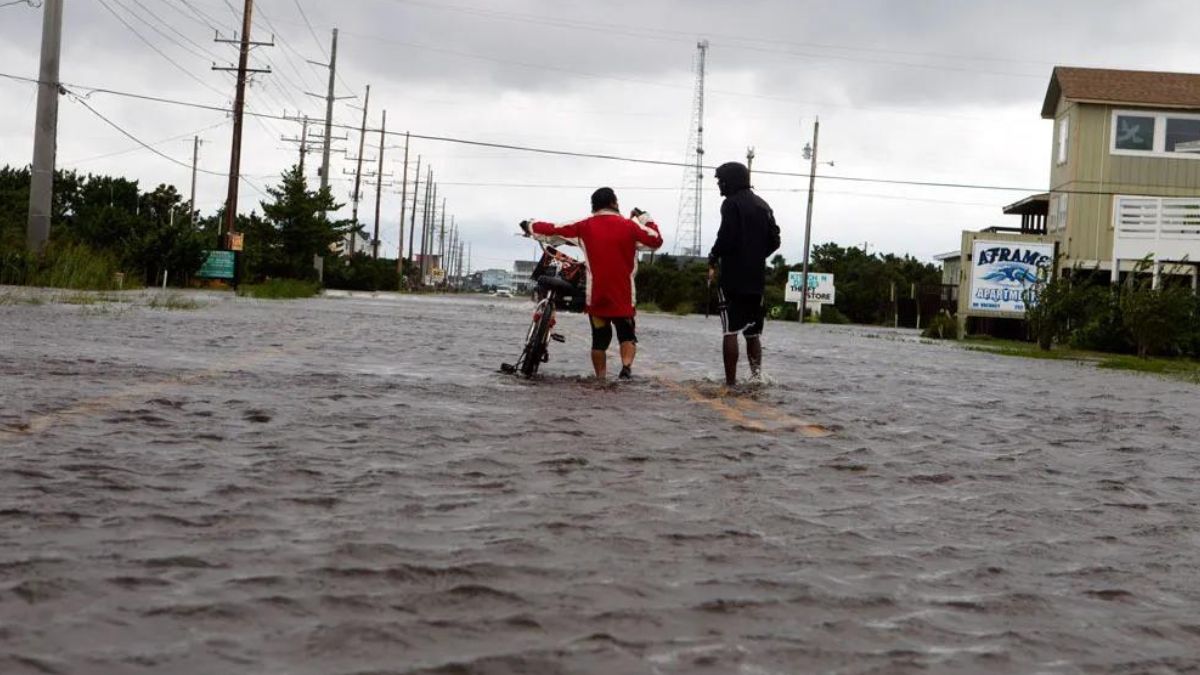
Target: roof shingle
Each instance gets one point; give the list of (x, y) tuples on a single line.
[(1123, 87)]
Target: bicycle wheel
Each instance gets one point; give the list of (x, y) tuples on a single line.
[(535, 347)]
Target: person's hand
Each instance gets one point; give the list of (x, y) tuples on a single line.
[(525, 226), (712, 275), (640, 217)]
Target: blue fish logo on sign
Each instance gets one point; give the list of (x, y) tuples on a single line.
[(1015, 274)]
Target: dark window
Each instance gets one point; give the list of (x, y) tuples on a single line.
[(1135, 133), (1183, 131)]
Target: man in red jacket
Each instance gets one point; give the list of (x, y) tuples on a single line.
[(610, 243)]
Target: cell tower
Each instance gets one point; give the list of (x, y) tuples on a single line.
[(688, 235)]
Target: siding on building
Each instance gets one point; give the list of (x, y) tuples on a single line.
[(1091, 167)]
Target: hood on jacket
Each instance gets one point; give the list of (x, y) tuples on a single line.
[(732, 177)]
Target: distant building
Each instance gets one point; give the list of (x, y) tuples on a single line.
[(951, 267), (522, 275), (491, 280)]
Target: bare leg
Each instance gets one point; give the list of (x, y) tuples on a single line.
[(730, 352), (754, 353), (628, 353), (600, 363)]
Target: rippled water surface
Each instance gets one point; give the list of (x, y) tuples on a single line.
[(347, 485)]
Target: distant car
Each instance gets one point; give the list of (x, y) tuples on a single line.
[(503, 293)]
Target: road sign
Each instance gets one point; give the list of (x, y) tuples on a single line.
[(219, 265), (820, 288)]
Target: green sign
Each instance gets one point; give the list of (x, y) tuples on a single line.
[(219, 265)]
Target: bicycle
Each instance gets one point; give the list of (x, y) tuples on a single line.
[(561, 285)]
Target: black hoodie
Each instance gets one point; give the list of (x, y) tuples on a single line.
[(748, 234)]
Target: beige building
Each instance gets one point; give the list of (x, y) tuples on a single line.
[(1124, 167)]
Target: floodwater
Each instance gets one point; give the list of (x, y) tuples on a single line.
[(347, 485)]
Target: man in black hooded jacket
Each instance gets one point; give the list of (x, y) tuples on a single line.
[(748, 235)]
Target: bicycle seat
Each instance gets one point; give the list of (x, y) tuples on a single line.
[(559, 285)]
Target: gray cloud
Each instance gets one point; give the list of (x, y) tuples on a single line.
[(924, 89)]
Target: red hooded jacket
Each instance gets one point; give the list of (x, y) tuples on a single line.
[(610, 243)]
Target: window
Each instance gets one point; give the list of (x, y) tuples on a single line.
[(1135, 132), (1057, 218), (1064, 129), (1155, 134), (1183, 132)]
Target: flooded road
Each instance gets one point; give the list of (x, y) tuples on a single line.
[(347, 485)]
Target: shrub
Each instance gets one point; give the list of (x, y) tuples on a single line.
[(1158, 320), (1103, 328), (831, 314), (943, 327)]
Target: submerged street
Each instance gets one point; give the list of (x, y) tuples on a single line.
[(348, 485)]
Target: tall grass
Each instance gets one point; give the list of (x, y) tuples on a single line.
[(63, 265)]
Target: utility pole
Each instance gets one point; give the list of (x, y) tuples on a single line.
[(45, 131), (812, 185), (750, 161), (403, 204), (425, 223), (412, 227), (302, 141), (195, 162), (379, 187), (239, 109), (442, 241), (433, 214), (330, 97), (357, 196)]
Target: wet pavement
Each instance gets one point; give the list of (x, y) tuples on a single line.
[(347, 485)]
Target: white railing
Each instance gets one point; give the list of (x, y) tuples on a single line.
[(1159, 228)]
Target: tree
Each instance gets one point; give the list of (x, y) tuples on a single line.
[(302, 229)]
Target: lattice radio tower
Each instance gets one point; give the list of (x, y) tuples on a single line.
[(688, 235)]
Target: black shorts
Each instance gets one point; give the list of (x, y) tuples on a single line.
[(742, 314), (602, 332)]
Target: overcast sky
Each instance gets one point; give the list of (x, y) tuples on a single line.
[(920, 90)]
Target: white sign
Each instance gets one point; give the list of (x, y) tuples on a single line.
[(820, 288), (1001, 271)]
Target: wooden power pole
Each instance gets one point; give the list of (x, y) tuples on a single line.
[(239, 109)]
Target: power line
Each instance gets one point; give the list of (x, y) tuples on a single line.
[(139, 147), (160, 52), (81, 100), (317, 40), (598, 156), (641, 32)]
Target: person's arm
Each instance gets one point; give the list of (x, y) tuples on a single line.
[(772, 233), (554, 234), (724, 244), (646, 232)]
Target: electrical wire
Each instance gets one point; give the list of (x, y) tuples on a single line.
[(81, 100), (160, 52), (118, 153), (753, 43), (599, 156), (304, 15)]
